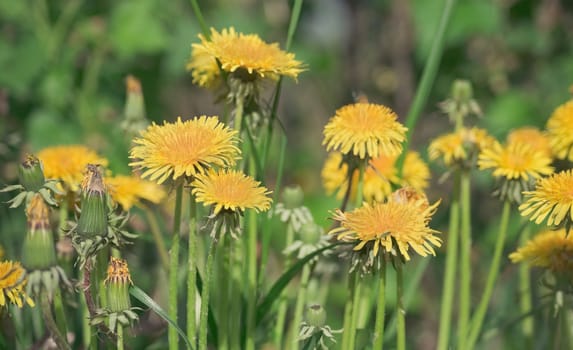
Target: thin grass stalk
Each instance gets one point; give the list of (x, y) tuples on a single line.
[(477, 320), (299, 306), (525, 307), (283, 302), (428, 77), (157, 237), (172, 335), (59, 339), (400, 310), (205, 295), (450, 269), (380, 309), (465, 259), (199, 16), (192, 273)]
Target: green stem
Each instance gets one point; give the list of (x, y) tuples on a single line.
[(192, 276), (60, 312), (224, 280), (205, 296), (347, 323), (85, 313), (525, 290), (428, 76), (360, 187), (63, 217), (51, 324), (358, 294), (173, 266), (251, 279), (477, 320), (120, 337), (299, 306), (238, 121), (465, 259), (380, 309), (157, 237), (450, 270), (199, 16), (401, 312), (283, 302)]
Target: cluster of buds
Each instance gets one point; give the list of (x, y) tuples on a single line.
[(38, 252), (32, 181), (118, 312), (98, 225)]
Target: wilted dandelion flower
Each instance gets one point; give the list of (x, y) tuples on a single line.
[(130, 190), (244, 54), (531, 136), (365, 130), (460, 147), (184, 148), (230, 192), (552, 199), (560, 131), (549, 249), (382, 224), (12, 283), (67, 163)]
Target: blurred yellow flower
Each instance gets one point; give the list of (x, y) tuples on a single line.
[(551, 199), (549, 249), (365, 130), (184, 148), (12, 283), (130, 190), (379, 177), (515, 161), (239, 52), (230, 190), (67, 163), (405, 222), (531, 136), (459, 147), (560, 131)]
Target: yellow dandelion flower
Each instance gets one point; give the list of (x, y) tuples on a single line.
[(366, 130), (549, 249), (130, 190), (231, 190), (560, 131), (67, 163), (184, 148), (379, 176), (531, 136), (237, 51), (515, 161), (551, 199), (404, 222), (459, 146), (12, 283)]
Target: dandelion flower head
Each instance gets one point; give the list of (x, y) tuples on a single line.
[(12, 283), (531, 136), (552, 199), (184, 148), (560, 131), (459, 147), (128, 191), (551, 249)]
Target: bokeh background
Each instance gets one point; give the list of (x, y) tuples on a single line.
[(63, 66)]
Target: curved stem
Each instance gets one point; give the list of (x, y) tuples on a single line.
[(51, 324), (192, 273), (428, 76), (172, 335), (450, 270), (380, 309), (401, 312), (465, 259), (477, 320), (205, 296)]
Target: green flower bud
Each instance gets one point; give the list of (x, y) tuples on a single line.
[(134, 111), (93, 216), (316, 316), (462, 91), (39, 252), (117, 282), (30, 174), (293, 197), (310, 233)]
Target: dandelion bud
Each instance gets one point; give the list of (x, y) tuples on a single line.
[(462, 91), (30, 174), (117, 282), (93, 217), (134, 111), (310, 233), (316, 316), (292, 197), (38, 251)]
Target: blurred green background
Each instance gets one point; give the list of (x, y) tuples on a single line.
[(63, 65)]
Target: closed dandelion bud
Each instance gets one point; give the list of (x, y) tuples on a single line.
[(117, 282), (93, 217), (310, 233), (134, 112), (462, 91), (30, 174), (38, 251), (292, 197), (316, 316)]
